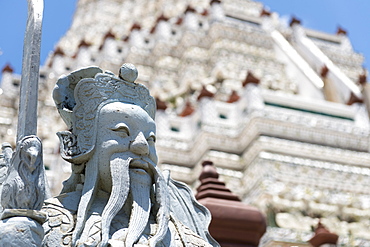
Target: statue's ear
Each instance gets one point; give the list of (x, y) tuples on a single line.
[(68, 145), (70, 148)]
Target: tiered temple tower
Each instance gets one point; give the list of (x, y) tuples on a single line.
[(280, 110)]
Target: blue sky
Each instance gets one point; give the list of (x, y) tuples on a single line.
[(324, 15), (57, 19)]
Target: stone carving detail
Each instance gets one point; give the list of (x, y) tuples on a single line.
[(60, 223), (24, 187), (23, 193), (116, 195), (5, 158)]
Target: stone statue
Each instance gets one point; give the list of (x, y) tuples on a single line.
[(5, 158), (116, 195), (24, 185), (23, 192)]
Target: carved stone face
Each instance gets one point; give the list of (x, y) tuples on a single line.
[(127, 130)]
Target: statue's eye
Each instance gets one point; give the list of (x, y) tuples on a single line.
[(121, 128), (151, 138)]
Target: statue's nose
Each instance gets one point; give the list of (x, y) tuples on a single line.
[(140, 145)]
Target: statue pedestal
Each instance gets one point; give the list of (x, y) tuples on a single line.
[(21, 231)]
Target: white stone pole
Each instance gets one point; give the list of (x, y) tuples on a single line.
[(27, 117)]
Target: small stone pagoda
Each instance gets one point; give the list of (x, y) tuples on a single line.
[(234, 224)]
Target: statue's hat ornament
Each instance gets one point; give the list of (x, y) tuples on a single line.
[(79, 97)]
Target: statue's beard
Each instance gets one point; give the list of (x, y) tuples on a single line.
[(138, 183)]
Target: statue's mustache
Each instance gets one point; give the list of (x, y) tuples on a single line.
[(137, 161), (143, 158), (119, 166), (162, 199)]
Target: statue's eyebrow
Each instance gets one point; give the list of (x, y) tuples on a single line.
[(121, 127)]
